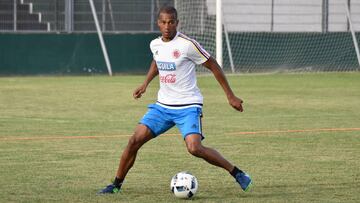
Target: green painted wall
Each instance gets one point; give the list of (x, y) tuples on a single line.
[(25, 54), (73, 53)]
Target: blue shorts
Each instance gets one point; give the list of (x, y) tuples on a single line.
[(160, 119)]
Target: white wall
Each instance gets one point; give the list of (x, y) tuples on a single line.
[(297, 15), (337, 15), (289, 15)]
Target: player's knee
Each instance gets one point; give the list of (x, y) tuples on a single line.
[(134, 143), (196, 150)]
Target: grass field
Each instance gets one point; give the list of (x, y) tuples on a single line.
[(299, 138)]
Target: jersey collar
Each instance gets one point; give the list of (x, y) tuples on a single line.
[(177, 33)]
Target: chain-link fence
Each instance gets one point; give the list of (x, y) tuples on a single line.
[(76, 16)]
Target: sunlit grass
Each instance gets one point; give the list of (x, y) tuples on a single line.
[(59, 162)]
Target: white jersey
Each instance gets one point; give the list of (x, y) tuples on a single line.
[(176, 62)]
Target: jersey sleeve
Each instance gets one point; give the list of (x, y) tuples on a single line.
[(151, 45), (196, 53)]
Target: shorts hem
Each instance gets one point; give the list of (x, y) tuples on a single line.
[(197, 133), (153, 134)]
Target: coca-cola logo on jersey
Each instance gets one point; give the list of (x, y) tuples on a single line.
[(169, 78)]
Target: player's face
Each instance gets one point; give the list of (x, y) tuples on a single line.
[(167, 24)]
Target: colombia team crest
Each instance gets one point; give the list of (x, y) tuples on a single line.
[(176, 54)]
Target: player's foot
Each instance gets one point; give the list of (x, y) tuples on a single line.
[(244, 180), (110, 189)]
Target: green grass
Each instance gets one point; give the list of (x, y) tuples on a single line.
[(314, 166)]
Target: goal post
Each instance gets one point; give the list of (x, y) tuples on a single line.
[(273, 36), (101, 39), (356, 46), (219, 41)]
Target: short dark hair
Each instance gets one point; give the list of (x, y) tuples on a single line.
[(168, 10)]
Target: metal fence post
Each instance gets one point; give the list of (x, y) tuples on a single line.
[(272, 16), (111, 15), (152, 19), (56, 15), (347, 22), (69, 15), (15, 15), (325, 16), (103, 15)]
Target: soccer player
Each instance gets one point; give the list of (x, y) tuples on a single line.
[(179, 100)]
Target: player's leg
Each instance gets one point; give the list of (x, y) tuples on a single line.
[(141, 135), (190, 125), (152, 124), (195, 147)]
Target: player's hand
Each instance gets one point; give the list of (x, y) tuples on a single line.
[(139, 91), (236, 103)]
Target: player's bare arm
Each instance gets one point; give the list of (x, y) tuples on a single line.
[(214, 67), (152, 73)]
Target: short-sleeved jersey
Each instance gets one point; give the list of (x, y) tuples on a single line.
[(176, 61)]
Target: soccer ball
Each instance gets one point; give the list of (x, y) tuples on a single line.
[(184, 185)]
